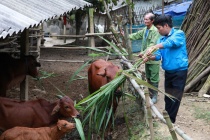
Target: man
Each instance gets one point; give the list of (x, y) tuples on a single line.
[(171, 48), (149, 36)]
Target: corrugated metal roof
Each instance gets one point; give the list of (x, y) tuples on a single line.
[(16, 15)]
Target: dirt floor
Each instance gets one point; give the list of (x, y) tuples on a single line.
[(55, 75)]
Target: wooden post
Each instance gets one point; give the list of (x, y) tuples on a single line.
[(64, 27), (24, 51), (169, 124), (162, 6), (130, 15), (39, 38), (149, 113), (91, 41)]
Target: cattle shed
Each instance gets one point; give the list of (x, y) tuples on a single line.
[(21, 24)]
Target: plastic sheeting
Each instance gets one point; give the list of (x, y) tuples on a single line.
[(175, 9)]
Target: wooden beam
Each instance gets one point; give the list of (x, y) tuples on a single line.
[(70, 47), (99, 34), (66, 61), (68, 36)]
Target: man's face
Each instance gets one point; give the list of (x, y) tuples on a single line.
[(163, 30), (147, 21)]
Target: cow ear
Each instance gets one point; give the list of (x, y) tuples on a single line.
[(55, 109), (102, 72)]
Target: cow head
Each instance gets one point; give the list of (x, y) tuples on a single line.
[(65, 126), (66, 108), (110, 72), (32, 65)]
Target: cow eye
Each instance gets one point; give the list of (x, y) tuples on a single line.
[(65, 124), (66, 107)]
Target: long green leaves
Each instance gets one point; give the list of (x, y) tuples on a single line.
[(98, 111), (79, 128), (122, 51)]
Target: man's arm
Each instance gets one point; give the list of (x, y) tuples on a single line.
[(137, 35)]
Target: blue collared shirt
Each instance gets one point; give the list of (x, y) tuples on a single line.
[(174, 53)]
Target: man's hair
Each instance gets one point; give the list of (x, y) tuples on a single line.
[(163, 20), (151, 17)]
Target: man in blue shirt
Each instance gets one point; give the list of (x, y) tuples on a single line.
[(171, 49)]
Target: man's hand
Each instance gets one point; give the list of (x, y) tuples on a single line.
[(145, 59), (148, 58), (151, 49), (140, 55)]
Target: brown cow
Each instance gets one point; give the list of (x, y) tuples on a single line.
[(34, 113), (42, 133), (100, 73), (13, 71)]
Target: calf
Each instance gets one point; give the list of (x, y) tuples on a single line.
[(100, 73), (13, 71), (42, 133), (34, 113)]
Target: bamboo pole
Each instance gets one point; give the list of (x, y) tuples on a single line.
[(169, 124), (128, 43), (205, 88), (116, 37), (149, 113), (193, 82)]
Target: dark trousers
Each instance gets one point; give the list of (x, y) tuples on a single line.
[(174, 85)]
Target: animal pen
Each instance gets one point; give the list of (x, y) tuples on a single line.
[(118, 48)]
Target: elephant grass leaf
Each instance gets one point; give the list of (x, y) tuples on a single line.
[(80, 128), (78, 70), (123, 51)]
